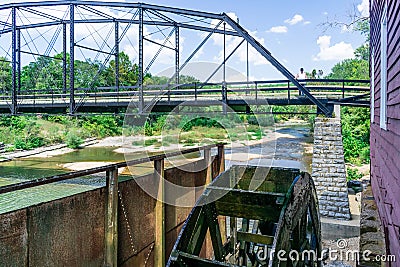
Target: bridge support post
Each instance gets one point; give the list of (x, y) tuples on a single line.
[(111, 220), (18, 61), (224, 97), (116, 40), (71, 61), (14, 95), (328, 169), (141, 98), (159, 247), (64, 59), (177, 55)]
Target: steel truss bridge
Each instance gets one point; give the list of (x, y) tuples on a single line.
[(43, 29)]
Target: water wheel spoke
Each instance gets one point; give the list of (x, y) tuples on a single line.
[(281, 214)]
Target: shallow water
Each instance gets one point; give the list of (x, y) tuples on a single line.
[(288, 151)]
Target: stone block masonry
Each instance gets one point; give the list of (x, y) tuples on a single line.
[(328, 169)]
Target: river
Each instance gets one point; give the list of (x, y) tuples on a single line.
[(292, 150)]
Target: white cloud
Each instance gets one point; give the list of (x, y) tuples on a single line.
[(364, 8), (296, 19), (337, 51), (346, 28), (306, 22), (278, 29)]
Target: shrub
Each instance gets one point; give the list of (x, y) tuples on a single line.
[(353, 174), (73, 140), (150, 142), (102, 126)]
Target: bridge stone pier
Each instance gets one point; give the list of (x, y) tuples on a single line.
[(328, 169)]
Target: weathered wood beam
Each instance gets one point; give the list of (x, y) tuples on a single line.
[(159, 247), (255, 238), (111, 219), (215, 233), (208, 162), (195, 261), (248, 211)]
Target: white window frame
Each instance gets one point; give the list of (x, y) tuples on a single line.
[(383, 104), (372, 97)]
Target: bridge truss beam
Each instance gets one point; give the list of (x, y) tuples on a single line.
[(85, 13)]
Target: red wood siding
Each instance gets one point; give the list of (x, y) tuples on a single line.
[(385, 144)]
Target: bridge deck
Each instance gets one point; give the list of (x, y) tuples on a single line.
[(238, 96)]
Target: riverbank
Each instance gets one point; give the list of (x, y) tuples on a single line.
[(133, 145), (44, 152)]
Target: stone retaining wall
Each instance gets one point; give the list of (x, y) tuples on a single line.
[(328, 169)]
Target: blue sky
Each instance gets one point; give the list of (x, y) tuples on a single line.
[(290, 30), (297, 38)]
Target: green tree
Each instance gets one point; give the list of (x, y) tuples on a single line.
[(5, 74), (355, 121), (44, 73), (352, 68), (128, 71), (156, 80), (88, 74), (362, 52), (188, 79)]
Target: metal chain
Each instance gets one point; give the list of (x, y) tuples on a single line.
[(127, 222)]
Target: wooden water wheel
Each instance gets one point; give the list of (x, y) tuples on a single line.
[(252, 216)]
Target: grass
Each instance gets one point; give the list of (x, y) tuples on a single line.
[(150, 142)]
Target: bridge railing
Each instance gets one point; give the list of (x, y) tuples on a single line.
[(254, 90), (107, 168)]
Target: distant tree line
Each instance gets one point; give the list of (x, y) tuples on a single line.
[(46, 73)]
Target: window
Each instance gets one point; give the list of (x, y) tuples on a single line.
[(372, 81), (383, 114)]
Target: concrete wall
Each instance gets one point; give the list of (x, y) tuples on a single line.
[(328, 169), (70, 231)]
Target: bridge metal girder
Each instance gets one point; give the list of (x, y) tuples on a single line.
[(267, 54), (162, 14)]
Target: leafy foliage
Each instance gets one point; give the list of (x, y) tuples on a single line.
[(353, 174), (355, 121), (73, 140), (350, 69), (5, 74), (355, 131), (102, 126)]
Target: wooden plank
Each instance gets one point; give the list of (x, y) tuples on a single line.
[(159, 246), (194, 261), (248, 211), (239, 197), (221, 159), (111, 220), (208, 162), (221, 169), (215, 233), (198, 235), (194, 232), (255, 238), (393, 23), (266, 186), (245, 204), (274, 174)]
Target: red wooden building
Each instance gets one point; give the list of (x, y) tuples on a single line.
[(385, 117)]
